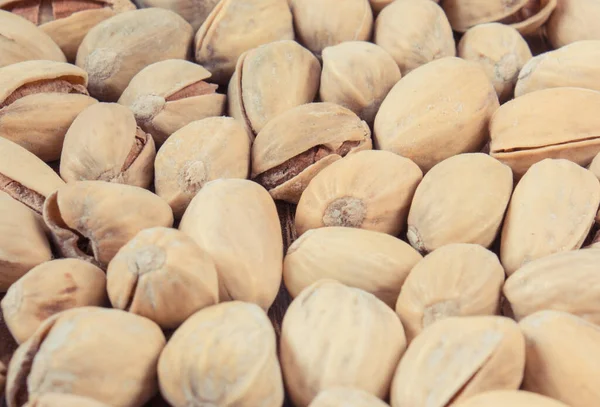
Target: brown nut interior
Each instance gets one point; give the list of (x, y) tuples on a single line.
[(43, 11), (57, 85), (200, 88), (21, 193), (526, 12)]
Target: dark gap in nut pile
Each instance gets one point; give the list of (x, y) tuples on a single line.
[(526, 12), (44, 86), (19, 192), (43, 11), (195, 89)]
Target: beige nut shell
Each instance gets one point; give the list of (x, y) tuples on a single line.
[(192, 11), (346, 396), (573, 20), (512, 398), (63, 400)]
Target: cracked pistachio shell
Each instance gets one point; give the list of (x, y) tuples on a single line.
[(63, 400), (374, 262), (194, 12), (235, 221), (104, 354), (48, 289), (500, 50), (563, 356), (457, 358), (7, 347), (115, 50), (271, 79), (456, 280), (414, 32), (461, 200), (574, 20), (334, 335), (167, 95), (552, 210), (224, 355), (104, 143), (92, 220), (358, 75), (371, 190), (163, 275), (347, 397), (236, 26), (512, 398), (296, 145), (420, 116)]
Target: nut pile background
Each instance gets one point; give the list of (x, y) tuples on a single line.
[(323, 203)]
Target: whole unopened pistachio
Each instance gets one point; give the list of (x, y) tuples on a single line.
[(167, 95), (357, 75), (92, 220), (271, 79), (104, 354), (115, 50), (236, 26), (512, 398), (334, 335), (63, 400), (194, 12), (293, 147), (574, 20), (202, 151), (346, 396), (414, 32), (48, 289), (38, 102)]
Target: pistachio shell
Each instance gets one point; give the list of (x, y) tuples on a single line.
[(457, 358), (347, 397), (512, 398), (552, 210), (574, 20), (7, 347), (334, 335), (194, 12), (48, 289), (63, 400), (595, 166)]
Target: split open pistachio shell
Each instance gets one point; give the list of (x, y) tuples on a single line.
[(512, 398), (63, 400), (346, 396), (194, 12), (574, 20)]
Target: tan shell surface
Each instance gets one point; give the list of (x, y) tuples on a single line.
[(512, 398), (457, 358), (595, 166), (456, 280), (334, 335), (562, 357), (414, 32), (194, 12), (574, 20), (347, 397), (63, 400), (552, 210), (48, 289), (420, 117)]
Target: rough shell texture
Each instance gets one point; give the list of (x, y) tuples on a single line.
[(574, 20), (334, 335), (512, 398), (194, 12), (63, 400), (346, 396)]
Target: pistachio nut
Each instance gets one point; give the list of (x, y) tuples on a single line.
[(419, 117), (456, 280), (358, 75), (538, 224), (271, 79), (378, 5), (346, 396), (63, 400), (334, 335), (371, 189), (374, 262), (8, 345), (235, 221), (414, 32), (163, 275), (293, 147), (457, 358), (236, 26), (512, 398), (202, 151), (574, 20), (92, 220), (104, 354), (104, 143), (562, 357), (20, 40), (194, 12), (48, 289), (500, 50), (595, 166), (116, 49), (167, 95)]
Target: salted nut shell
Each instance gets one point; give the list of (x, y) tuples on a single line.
[(293, 147), (370, 190), (115, 50), (63, 400), (512, 398), (358, 75), (163, 275), (202, 151), (271, 79), (224, 219), (92, 220), (90, 352), (20, 40), (104, 143), (573, 20), (346, 396), (414, 33), (193, 11), (562, 355), (419, 117), (48, 289), (48, 93), (167, 95), (374, 262), (456, 280), (500, 50), (236, 26), (457, 358), (538, 224), (316, 352)]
